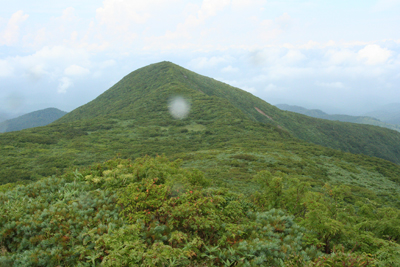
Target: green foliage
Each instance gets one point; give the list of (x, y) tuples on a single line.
[(47, 223), (247, 192), (333, 221), (132, 119), (180, 224), (340, 258), (148, 212), (152, 212)]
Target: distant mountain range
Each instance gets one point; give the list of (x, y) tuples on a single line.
[(4, 117), (30, 120), (389, 113), (316, 113)]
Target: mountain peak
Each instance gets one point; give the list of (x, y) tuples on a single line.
[(147, 89), (142, 98)]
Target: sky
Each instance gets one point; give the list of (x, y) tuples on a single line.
[(338, 56)]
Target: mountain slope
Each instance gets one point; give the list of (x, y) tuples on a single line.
[(125, 101), (132, 119), (259, 181), (33, 119), (388, 113), (316, 113)]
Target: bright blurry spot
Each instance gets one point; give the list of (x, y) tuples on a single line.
[(179, 107)]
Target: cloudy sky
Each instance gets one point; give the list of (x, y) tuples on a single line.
[(339, 56)]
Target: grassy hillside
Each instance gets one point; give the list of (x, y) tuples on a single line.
[(316, 113), (132, 119), (158, 82), (33, 119), (234, 159)]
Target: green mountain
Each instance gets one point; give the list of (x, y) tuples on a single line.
[(4, 116), (316, 113), (125, 101), (238, 185), (132, 119), (30, 120), (389, 113)]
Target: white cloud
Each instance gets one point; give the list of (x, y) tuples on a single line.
[(211, 7), (75, 70), (270, 87), (54, 60), (68, 14), (383, 5), (240, 4), (125, 13), (260, 78), (64, 84), (285, 72), (122, 13), (315, 45), (5, 68), (107, 64), (374, 54), (284, 22), (37, 71), (310, 45), (204, 62), (58, 54), (270, 56), (293, 56), (340, 57), (230, 69), (11, 34), (330, 85)]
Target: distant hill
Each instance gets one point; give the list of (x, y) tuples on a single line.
[(4, 117), (389, 113), (33, 119), (316, 113)]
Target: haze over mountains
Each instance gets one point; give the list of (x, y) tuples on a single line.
[(30, 120), (316, 113), (264, 168), (389, 113)]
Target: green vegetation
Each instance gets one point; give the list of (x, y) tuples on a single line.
[(151, 212), (236, 187), (33, 119), (132, 119), (316, 113)]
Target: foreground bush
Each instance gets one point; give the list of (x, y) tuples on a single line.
[(151, 212)]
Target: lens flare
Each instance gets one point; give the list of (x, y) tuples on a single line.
[(179, 107)]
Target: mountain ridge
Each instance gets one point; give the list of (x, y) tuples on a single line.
[(33, 119), (316, 113), (389, 113), (132, 119), (372, 141)]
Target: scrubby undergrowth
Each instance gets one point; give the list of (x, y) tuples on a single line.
[(151, 212)]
